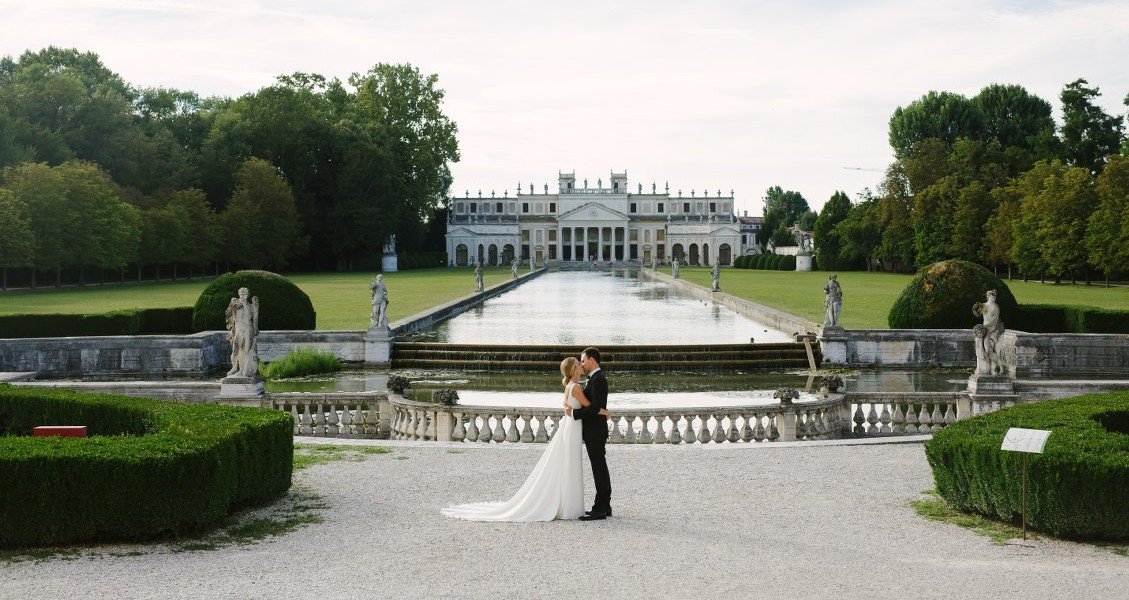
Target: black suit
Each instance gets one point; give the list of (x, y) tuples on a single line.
[(594, 430)]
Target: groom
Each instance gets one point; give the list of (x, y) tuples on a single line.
[(594, 430)]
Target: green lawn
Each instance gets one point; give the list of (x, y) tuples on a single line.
[(867, 297), (340, 299)]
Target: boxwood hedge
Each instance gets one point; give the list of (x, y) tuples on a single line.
[(134, 321), (1078, 487), (1052, 318), (150, 469), (941, 296)]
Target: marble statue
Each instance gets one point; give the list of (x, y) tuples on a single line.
[(653, 187), (379, 316), (654, 263), (243, 333), (478, 285), (532, 264), (832, 301), (803, 239), (987, 334), (715, 273), (513, 267), (674, 267)]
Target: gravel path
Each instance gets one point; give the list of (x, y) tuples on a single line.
[(748, 521)]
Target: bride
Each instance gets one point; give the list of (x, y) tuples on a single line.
[(555, 488)]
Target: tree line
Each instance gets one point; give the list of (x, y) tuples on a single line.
[(310, 173), (992, 179)]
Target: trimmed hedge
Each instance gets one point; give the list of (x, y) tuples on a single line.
[(133, 321), (1052, 318), (787, 263), (1078, 487), (420, 260), (151, 469), (282, 304), (942, 294)]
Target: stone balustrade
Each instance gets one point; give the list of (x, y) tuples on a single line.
[(348, 415), (903, 413)]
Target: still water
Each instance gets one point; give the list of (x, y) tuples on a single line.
[(595, 308)]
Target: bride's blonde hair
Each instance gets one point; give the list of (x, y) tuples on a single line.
[(567, 366)]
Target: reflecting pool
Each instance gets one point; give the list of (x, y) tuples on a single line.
[(599, 307)]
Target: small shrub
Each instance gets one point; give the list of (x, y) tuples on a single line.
[(133, 321), (300, 362), (787, 263), (282, 304), (1075, 488), (942, 295), (150, 469)]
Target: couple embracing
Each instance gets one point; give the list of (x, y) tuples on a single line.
[(555, 488)]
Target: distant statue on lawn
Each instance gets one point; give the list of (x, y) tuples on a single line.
[(379, 316), (987, 334), (243, 333), (532, 264), (715, 272), (674, 267), (832, 301), (513, 267), (654, 263), (478, 285)]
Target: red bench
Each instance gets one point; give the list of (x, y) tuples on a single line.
[(61, 430)]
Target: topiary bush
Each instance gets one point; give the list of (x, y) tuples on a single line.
[(150, 469), (1076, 488), (282, 304), (131, 321), (787, 263), (942, 294)]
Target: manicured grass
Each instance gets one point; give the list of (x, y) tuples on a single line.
[(867, 297), (340, 299)]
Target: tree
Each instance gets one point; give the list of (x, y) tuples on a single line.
[(262, 228), (203, 237), (1000, 228), (782, 209), (941, 115), (827, 240), (1013, 117), (932, 227), (859, 234), (1107, 233), (52, 219), (17, 242), (1089, 134), (110, 229), (1055, 205)]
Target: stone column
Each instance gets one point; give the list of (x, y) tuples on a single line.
[(585, 251), (600, 243), (560, 242)]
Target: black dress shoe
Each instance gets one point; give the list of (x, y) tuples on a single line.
[(593, 516), (607, 512)]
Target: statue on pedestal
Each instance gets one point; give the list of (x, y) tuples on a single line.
[(987, 334), (674, 267), (715, 273), (654, 263), (513, 267), (478, 284), (532, 264), (832, 301), (243, 333), (379, 316)]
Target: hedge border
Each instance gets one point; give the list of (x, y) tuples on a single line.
[(150, 469), (1060, 318), (1076, 488), (130, 321)]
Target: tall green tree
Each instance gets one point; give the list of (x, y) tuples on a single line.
[(1107, 233), (1055, 207), (941, 115), (827, 240), (17, 242), (859, 234), (1013, 117), (262, 229), (1089, 134), (782, 209), (54, 221)]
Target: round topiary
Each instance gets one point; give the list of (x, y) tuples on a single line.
[(941, 297), (282, 304), (1075, 488)]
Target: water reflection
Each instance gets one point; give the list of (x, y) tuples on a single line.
[(599, 308)]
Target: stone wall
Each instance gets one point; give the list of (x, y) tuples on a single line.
[(150, 355), (1064, 354), (347, 346), (898, 347), (777, 319)]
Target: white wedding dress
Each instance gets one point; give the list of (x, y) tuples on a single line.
[(554, 490)]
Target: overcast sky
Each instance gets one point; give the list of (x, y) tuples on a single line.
[(705, 95)]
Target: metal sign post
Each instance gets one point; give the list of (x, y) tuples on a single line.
[(1027, 441)]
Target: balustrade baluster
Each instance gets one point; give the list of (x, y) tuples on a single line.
[(472, 428), (719, 430), (950, 414), (346, 422), (424, 420), (911, 420), (319, 421), (924, 420), (499, 430), (688, 434), (556, 419), (936, 417), (704, 435), (884, 418), (429, 432), (859, 419), (616, 436), (512, 435), (660, 436), (773, 431), (486, 433), (296, 418), (759, 433), (542, 430), (675, 436), (645, 436), (899, 419), (527, 431), (629, 435), (872, 420), (459, 433), (372, 420), (747, 430)]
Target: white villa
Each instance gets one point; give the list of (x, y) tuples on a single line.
[(593, 223)]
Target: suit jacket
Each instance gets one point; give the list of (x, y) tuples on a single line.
[(594, 427)]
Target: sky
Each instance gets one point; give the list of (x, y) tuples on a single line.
[(705, 95)]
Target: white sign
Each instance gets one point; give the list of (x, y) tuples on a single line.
[(1025, 440)]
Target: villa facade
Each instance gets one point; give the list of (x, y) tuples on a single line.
[(584, 223)]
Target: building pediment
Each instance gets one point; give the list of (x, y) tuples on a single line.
[(460, 232), (591, 212)]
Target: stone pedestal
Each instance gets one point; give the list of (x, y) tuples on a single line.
[(242, 388), (803, 262), (378, 346), (990, 393), (389, 263)]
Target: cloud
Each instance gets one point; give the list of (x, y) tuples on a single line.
[(711, 94)]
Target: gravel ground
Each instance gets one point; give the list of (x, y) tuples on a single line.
[(746, 521)]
